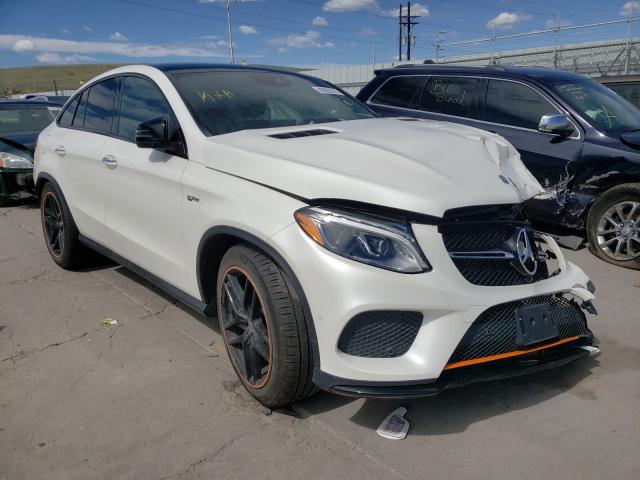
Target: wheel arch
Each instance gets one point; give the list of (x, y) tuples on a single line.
[(44, 178), (212, 247), (587, 194)]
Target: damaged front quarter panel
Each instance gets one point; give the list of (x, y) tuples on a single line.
[(601, 167)]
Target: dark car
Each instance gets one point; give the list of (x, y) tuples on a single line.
[(627, 86), (577, 137), (21, 121)]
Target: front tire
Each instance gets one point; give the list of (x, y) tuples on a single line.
[(613, 226), (263, 327), (60, 231)]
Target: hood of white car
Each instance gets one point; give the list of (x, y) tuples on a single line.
[(426, 167)]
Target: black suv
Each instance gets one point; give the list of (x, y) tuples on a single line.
[(577, 137)]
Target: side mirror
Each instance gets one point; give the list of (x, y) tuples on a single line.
[(556, 124), (153, 133), (157, 133)]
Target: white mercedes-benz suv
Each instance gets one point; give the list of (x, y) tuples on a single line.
[(361, 255)]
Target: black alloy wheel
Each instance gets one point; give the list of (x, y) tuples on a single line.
[(61, 235), (263, 326), (246, 329), (53, 224)]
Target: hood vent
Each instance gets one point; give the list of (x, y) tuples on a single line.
[(302, 133)]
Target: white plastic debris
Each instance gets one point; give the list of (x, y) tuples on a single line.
[(394, 426), (593, 351)]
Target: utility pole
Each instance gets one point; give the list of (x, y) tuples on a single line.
[(437, 45), (229, 28), (493, 45), (627, 50), (400, 33), (406, 21), (555, 42)]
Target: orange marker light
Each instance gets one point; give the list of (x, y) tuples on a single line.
[(309, 226)]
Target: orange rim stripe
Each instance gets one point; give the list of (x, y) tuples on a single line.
[(500, 356)]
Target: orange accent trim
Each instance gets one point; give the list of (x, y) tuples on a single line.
[(500, 356)]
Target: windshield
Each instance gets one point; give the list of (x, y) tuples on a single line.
[(599, 105), (229, 101), (19, 120)]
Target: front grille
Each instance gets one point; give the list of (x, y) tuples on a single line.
[(380, 333), (494, 331), (490, 237)]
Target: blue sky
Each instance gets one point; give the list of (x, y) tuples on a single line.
[(278, 32)]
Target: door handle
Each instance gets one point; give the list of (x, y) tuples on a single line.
[(60, 150), (110, 161)]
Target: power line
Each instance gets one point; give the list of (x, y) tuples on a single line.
[(280, 19), (266, 27)]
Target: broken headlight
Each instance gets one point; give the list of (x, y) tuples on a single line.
[(9, 160), (365, 239)]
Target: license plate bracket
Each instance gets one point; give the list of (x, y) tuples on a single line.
[(534, 325)]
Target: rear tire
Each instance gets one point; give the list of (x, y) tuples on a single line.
[(613, 226), (263, 327), (61, 234)]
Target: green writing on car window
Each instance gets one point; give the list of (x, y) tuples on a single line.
[(215, 95), (441, 91)]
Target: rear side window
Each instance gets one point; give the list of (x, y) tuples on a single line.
[(78, 118), (515, 104), (141, 101), (628, 91), (67, 116), (399, 91), (100, 106), (451, 96)]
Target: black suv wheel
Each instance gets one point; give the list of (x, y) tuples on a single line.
[(263, 328), (60, 231)]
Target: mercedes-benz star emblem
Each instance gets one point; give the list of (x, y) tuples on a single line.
[(524, 254)]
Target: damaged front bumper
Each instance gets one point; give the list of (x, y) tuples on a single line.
[(538, 361), (16, 183)]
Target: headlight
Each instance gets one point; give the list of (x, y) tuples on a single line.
[(365, 239), (9, 160)]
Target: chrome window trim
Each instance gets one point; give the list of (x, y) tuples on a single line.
[(553, 103)]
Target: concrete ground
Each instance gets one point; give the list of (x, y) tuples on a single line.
[(155, 398)]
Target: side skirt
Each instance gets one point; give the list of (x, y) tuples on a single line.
[(183, 297)]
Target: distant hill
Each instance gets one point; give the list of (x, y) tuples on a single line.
[(40, 78), (67, 77)]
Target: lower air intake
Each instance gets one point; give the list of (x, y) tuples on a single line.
[(380, 333), (494, 332)]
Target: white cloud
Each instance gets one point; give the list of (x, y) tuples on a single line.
[(118, 37), (341, 6), (551, 23), (222, 44), (65, 31), (320, 22), (630, 8), (283, 50), (507, 20), (87, 29), (247, 30), (368, 31), (308, 40), (48, 57), (416, 9), (25, 44)]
